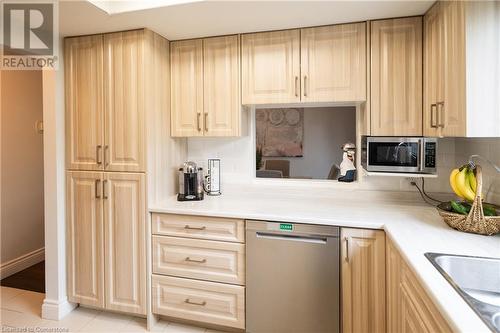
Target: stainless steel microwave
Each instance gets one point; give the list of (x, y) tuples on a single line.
[(399, 154)]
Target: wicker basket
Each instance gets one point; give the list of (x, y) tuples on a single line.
[(475, 222)]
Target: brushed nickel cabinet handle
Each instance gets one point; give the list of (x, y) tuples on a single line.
[(198, 115), (346, 249), (194, 228), (104, 189), (441, 114), (434, 116), (97, 192), (205, 121), (188, 301), (305, 86), (296, 86), (106, 156), (202, 261), (98, 151)]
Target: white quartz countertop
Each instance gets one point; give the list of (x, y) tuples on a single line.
[(414, 227)]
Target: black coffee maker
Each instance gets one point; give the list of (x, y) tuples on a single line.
[(190, 182)]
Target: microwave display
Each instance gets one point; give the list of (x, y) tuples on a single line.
[(398, 154)]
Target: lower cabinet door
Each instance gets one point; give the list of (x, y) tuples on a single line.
[(409, 308), (202, 301), (363, 280), (124, 239), (85, 259)]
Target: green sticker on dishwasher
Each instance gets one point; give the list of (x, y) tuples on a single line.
[(286, 226)]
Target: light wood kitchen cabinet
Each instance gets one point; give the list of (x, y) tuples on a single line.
[(363, 280), (106, 240), (124, 137), (221, 86), (198, 269), (444, 64), (433, 68), (199, 227), (396, 77), (117, 85), (84, 238), (270, 67), (201, 301), (321, 64), (187, 88), (124, 238), (452, 103), (460, 101), (206, 87), (409, 308), (199, 259), (84, 102), (333, 63), (105, 102)]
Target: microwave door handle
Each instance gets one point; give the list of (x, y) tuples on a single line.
[(421, 162)]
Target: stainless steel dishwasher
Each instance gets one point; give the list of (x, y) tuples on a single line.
[(293, 278)]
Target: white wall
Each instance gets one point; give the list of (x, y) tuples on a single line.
[(22, 212), (325, 131)]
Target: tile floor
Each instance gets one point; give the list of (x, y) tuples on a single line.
[(21, 309)]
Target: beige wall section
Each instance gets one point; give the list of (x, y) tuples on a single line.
[(22, 164)]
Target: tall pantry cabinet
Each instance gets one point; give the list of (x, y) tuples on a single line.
[(116, 87)]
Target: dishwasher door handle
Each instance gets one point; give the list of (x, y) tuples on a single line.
[(294, 238)]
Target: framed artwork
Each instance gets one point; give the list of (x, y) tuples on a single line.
[(280, 132)]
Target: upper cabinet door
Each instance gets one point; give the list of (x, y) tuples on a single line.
[(453, 111), (396, 77), (84, 103), (221, 92), (333, 63), (270, 67), (187, 88), (125, 147), (433, 68), (124, 198), (84, 230)]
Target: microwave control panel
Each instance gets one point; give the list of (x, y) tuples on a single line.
[(430, 154)]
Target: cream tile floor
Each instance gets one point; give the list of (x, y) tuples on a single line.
[(22, 309)]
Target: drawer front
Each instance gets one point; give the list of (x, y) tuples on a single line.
[(201, 227), (209, 302), (199, 259)]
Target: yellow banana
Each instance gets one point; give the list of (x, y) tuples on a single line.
[(462, 183), (453, 184), (472, 180)]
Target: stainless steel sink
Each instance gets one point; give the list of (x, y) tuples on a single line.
[(477, 280)]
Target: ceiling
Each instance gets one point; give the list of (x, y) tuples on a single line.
[(212, 18)]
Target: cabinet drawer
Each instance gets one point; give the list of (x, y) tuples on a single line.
[(209, 302), (199, 259), (201, 227)]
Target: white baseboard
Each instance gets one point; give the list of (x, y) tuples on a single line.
[(56, 310), (18, 264)]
